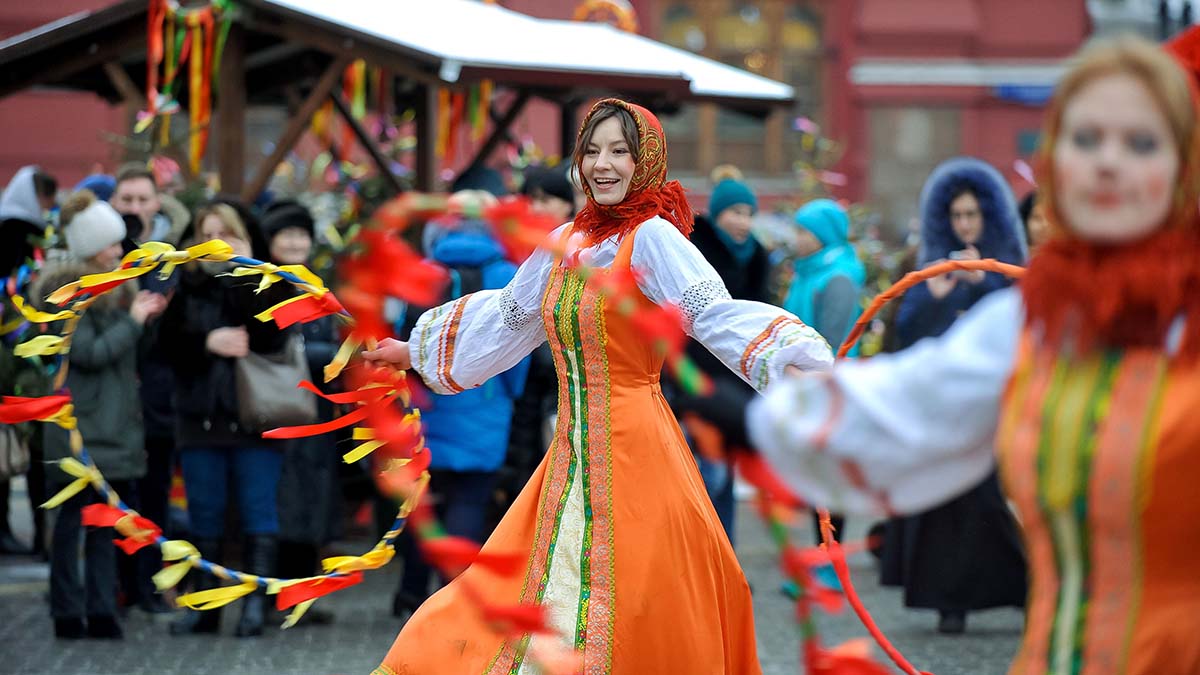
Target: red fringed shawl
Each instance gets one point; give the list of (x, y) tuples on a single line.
[(1117, 296), (649, 192)]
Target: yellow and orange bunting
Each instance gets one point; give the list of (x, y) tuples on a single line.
[(298, 611), (65, 418), (84, 476), (43, 345), (270, 276), (345, 564), (36, 316), (213, 598)]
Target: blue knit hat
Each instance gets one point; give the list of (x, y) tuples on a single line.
[(727, 193), (101, 185)]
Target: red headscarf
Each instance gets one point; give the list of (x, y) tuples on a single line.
[(649, 192), (1125, 295)]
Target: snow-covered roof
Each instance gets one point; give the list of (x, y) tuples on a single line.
[(462, 34)]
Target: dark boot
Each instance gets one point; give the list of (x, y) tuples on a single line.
[(259, 557), (104, 627), (209, 620), (952, 622), (69, 629)]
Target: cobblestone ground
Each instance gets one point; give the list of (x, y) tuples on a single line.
[(364, 628)]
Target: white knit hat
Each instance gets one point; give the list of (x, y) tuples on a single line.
[(94, 229)]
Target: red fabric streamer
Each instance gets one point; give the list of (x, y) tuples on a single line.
[(140, 531), (342, 422), (519, 229), (17, 409), (307, 309), (295, 594)]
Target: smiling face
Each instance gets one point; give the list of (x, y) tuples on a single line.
[(608, 163), (1115, 162)]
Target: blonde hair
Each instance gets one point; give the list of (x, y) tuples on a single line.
[(74, 204), (227, 215), (1167, 83), (721, 172)]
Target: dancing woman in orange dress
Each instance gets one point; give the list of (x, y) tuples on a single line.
[(1085, 380), (623, 547)]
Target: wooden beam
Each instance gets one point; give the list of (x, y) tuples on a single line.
[(72, 57), (123, 83), (231, 112), (500, 130), (368, 144), (296, 126)]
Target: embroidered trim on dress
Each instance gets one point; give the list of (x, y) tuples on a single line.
[(448, 340), (515, 318), (698, 297)]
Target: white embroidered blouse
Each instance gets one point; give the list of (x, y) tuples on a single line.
[(461, 344), (900, 432)]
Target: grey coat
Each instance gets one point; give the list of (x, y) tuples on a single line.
[(103, 381)]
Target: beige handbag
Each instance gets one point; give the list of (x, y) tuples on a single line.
[(14, 453), (266, 389)]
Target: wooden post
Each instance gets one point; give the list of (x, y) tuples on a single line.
[(382, 163), (427, 134), (296, 126), (568, 127), (231, 112)]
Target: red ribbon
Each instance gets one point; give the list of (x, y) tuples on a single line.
[(16, 409), (104, 515), (295, 594), (307, 309)]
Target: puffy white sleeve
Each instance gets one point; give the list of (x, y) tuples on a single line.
[(463, 343), (896, 433), (755, 340)]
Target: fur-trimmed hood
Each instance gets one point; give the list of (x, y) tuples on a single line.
[(1003, 236)]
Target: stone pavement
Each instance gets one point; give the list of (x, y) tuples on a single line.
[(364, 628)]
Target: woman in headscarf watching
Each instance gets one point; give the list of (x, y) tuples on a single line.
[(617, 512)]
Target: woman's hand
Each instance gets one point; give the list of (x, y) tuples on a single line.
[(970, 276), (941, 285), (231, 342), (147, 305), (390, 352)]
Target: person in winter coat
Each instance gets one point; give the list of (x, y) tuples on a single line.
[(309, 491), (102, 378), (467, 434), (714, 422), (30, 193), (967, 212), (828, 282), (208, 325)]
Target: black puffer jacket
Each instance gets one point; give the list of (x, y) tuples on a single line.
[(205, 386)]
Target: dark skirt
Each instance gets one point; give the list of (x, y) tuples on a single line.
[(963, 555)]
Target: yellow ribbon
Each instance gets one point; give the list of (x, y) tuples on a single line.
[(65, 418), (215, 249), (335, 367), (36, 316), (9, 327), (269, 314), (43, 345), (298, 611), (362, 451), (345, 564), (171, 575), (215, 597), (84, 475)]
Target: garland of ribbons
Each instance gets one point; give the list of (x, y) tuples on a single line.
[(176, 38)]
